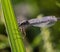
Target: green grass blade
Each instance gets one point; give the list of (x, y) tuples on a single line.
[(12, 27)]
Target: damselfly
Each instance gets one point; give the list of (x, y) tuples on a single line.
[(47, 21)]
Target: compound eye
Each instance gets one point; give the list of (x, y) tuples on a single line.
[(24, 23)]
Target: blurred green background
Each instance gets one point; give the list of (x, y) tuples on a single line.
[(33, 40)]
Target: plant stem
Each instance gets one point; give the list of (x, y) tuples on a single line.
[(12, 27), (46, 38)]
